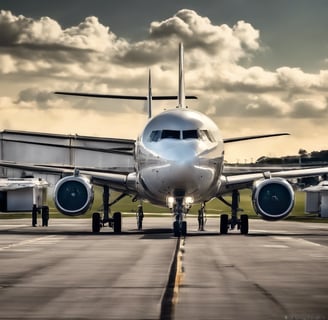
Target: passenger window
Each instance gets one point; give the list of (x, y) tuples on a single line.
[(170, 134), (190, 134), (155, 135)]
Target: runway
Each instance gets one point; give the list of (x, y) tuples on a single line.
[(279, 271)]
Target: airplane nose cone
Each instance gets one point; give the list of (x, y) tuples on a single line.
[(182, 154)]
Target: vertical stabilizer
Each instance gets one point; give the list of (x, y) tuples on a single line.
[(182, 97), (150, 97)]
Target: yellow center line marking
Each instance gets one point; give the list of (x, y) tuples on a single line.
[(180, 271)]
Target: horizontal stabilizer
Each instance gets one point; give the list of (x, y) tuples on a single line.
[(255, 137), (113, 96)]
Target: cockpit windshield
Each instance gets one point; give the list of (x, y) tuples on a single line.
[(190, 134), (203, 135), (170, 134)]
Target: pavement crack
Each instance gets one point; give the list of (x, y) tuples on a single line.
[(271, 297)]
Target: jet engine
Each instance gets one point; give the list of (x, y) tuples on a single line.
[(73, 195), (273, 199)]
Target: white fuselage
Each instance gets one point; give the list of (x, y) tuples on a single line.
[(179, 155)]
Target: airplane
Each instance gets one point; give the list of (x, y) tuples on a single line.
[(178, 161)]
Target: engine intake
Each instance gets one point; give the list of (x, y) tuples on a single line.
[(73, 195), (273, 199)]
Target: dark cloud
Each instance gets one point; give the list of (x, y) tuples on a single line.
[(309, 108), (35, 97), (89, 52)]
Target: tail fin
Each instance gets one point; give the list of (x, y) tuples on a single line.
[(150, 96), (181, 95)]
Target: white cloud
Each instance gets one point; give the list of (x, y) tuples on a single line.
[(42, 56)]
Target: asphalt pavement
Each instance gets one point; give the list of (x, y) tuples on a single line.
[(278, 271)]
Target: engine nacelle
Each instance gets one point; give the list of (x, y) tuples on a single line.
[(273, 198), (73, 195)]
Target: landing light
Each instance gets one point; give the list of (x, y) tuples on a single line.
[(189, 200), (170, 202)]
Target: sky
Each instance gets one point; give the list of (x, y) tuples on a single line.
[(256, 66)]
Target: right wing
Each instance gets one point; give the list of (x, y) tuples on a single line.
[(119, 181)]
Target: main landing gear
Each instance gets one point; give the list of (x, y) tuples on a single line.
[(225, 222), (115, 221)]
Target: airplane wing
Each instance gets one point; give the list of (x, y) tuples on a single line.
[(118, 181), (241, 181)]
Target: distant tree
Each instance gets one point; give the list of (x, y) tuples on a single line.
[(303, 153)]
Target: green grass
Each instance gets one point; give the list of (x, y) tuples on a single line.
[(214, 207)]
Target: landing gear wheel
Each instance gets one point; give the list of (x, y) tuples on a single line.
[(224, 221), (96, 222), (244, 224), (45, 216), (183, 228), (176, 229), (117, 217)]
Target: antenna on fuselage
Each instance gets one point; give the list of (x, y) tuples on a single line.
[(181, 94), (150, 96)]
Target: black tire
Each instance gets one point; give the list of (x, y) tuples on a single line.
[(224, 221), (34, 216), (117, 217), (244, 224), (176, 229), (183, 228), (45, 216), (96, 222)]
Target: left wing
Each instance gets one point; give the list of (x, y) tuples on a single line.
[(241, 181)]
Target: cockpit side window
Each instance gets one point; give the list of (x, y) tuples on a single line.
[(170, 134), (190, 134), (206, 135), (155, 135)]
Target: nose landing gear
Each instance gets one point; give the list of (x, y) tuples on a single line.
[(179, 225)]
